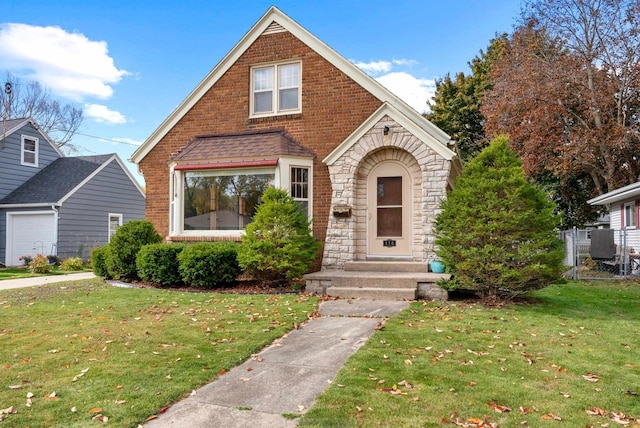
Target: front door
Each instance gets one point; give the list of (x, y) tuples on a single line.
[(389, 213)]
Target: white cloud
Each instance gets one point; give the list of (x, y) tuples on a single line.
[(69, 64), (374, 67), (102, 114), (410, 89)]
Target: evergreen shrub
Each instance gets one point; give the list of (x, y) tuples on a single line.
[(158, 263), (497, 233), (98, 261), (278, 246), (209, 264), (124, 247)]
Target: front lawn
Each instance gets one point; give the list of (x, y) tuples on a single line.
[(77, 354), (24, 272), (569, 357)]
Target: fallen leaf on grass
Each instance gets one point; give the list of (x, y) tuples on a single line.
[(591, 377), (499, 408), (95, 410), (596, 411), (100, 418), (551, 416), (51, 396)]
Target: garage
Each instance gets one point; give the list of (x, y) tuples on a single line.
[(30, 233)]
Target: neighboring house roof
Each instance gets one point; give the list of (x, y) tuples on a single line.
[(239, 147), (10, 126), (60, 179), (632, 191), (275, 20)]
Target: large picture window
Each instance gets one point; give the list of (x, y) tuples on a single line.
[(219, 200), (276, 89)]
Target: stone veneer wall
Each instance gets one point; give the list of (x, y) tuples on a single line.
[(346, 236)]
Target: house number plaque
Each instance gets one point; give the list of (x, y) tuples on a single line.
[(389, 243)]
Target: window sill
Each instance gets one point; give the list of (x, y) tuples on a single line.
[(275, 117)]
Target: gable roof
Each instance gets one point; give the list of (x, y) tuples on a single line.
[(632, 191), (60, 180), (242, 145), (10, 126), (272, 21)]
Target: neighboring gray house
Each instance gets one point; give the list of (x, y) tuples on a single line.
[(52, 204)]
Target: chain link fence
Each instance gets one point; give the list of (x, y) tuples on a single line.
[(600, 254)]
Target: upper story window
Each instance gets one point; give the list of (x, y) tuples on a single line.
[(29, 151), (275, 89)]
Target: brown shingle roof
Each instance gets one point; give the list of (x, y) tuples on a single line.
[(250, 145)]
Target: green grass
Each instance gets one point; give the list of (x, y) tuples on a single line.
[(463, 361), (24, 272), (124, 353)]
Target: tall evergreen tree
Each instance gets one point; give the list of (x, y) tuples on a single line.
[(497, 232)]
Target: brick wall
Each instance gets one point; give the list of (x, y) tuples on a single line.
[(333, 105)]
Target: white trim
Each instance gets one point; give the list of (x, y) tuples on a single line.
[(411, 126), (36, 143), (275, 15), (9, 230), (109, 224), (632, 191), (37, 127), (33, 205)]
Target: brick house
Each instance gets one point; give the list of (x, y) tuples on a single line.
[(283, 108)]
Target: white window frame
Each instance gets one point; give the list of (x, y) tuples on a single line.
[(305, 183), (109, 230), (629, 215), (23, 150), (282, 180), (275, 90)]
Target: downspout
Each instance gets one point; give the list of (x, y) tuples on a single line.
[(55, 210)]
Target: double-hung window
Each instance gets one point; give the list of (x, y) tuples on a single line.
[(115, 221), (300, 187), (275, 89), (630, 215), (29, 151)]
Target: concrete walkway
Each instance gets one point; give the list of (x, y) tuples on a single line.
[(287, 376), (41, 280)]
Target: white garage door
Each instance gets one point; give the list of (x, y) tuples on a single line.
[(30, 234)]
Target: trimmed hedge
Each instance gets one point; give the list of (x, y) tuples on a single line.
[(124, 246), (158, 263), (209, 264), (98, 261)]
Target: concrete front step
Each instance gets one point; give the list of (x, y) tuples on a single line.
[(375, 293), (382, 285), (386, 266)]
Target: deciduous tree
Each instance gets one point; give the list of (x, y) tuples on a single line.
[(567, 91), (20, 99)]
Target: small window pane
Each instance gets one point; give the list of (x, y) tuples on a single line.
[(30, 145), (29, 157), (263, 102), (263, 79), (289, 76), (289, 99)]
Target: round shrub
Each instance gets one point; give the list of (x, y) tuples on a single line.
[(98, 261), (158, 263), (71, 264), (124, 247), (40, 264), (209, 264)]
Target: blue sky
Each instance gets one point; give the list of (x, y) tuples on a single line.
[(128, 64)]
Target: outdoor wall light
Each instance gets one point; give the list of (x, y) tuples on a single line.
[(386, 130)]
